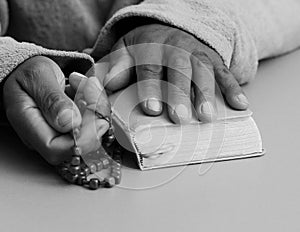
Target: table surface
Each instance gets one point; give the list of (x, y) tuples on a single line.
[(258, 194)]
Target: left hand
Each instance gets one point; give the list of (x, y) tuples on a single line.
[(192, 68)]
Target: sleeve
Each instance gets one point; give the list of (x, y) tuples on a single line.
[(13, 53), (241, 31)]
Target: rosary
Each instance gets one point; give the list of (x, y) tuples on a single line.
[(106, 159)]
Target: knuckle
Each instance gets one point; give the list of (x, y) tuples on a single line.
[(179, 61), (206, 91), (201, 59), (149, 70), (223, 71), (180, 93), (232, 87), (33, 69), (224, 76), (52, 102), (37, 65)]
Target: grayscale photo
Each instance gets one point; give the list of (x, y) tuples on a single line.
[(149, 115)]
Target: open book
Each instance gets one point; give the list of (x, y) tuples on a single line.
[(157, 142)]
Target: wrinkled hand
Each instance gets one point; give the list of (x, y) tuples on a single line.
[(191, 70), (43, 115)]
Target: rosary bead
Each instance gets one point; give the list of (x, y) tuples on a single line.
[(82, 180), (110, 131), (94, 184), (71, 178), (116, 165), (93, 168), (77, 151), (82, 173), (87, 171), (116, 172), (110, 182), (117, 179), (63, 170), (99, 166), (75, 169), (110, 138), (85, 182), (118, 160), (75, 160), (105, 162)]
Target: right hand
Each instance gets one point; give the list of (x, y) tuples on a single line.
[(161, 53), (41, 113)]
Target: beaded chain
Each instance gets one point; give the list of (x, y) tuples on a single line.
[(78, 169)]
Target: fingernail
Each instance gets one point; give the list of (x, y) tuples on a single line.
[(154, 105), (181, 111), (207, 112), (207, 108), (65, 117), (241, 98)]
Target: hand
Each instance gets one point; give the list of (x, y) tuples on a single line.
[(39, 110), (192, 68)]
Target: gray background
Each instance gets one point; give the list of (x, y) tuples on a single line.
[(258, 194)]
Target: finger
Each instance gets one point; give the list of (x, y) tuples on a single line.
[(91, 131), (93, 94), (101, 70), (77, 82), (149, 72), (91, 91), (204, 87), (179, 74), (30, 124), (121, 68), (27, 120), (149, 89), (230, 88), (57, 108)]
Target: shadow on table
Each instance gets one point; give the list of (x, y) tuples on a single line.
[(16, 157)]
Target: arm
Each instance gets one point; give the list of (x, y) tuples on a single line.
[(13, 53), (242, 32), (33, 82)]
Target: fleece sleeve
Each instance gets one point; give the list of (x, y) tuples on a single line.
[(13, 53), (241, 31)]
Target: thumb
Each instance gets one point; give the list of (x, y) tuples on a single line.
[(43, 86)]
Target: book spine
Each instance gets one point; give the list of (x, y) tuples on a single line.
[(121, 129)]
